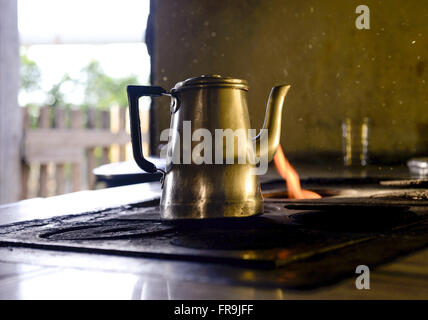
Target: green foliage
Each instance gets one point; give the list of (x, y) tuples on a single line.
[(55, 97), (30, 74), (103, 91), (100, 90)]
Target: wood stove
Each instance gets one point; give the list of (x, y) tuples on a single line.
[(294, 244)]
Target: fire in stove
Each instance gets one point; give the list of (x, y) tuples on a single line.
[(291, 177)]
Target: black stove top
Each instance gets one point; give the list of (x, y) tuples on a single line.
[(298, 243)]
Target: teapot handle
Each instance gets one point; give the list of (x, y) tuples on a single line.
[(134, 93)]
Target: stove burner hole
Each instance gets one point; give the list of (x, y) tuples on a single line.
[(108, 230), (283, 194), (355, 219)]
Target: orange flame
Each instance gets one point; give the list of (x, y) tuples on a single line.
[(287, 172)]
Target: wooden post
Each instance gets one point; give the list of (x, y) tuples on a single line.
[(117, 124), (91, 151), (114, 127), (105, 124), (76, 121), (60, 123), (44, 122), (10, 115), (122, 127)]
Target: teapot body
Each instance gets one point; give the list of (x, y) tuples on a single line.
[(215, 181), (213, 155)]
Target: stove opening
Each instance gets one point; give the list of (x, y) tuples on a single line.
[(291, 177), (284, 194)]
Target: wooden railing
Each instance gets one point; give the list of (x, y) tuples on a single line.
[(61, 150)]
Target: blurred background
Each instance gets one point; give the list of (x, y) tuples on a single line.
[(353, 91), (81, 53), (75, 60)]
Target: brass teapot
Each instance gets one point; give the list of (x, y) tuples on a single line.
[(199, 183)]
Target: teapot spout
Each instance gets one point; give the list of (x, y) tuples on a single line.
[(272, 124)]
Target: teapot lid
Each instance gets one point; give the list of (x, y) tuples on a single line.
[(210, 81)]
